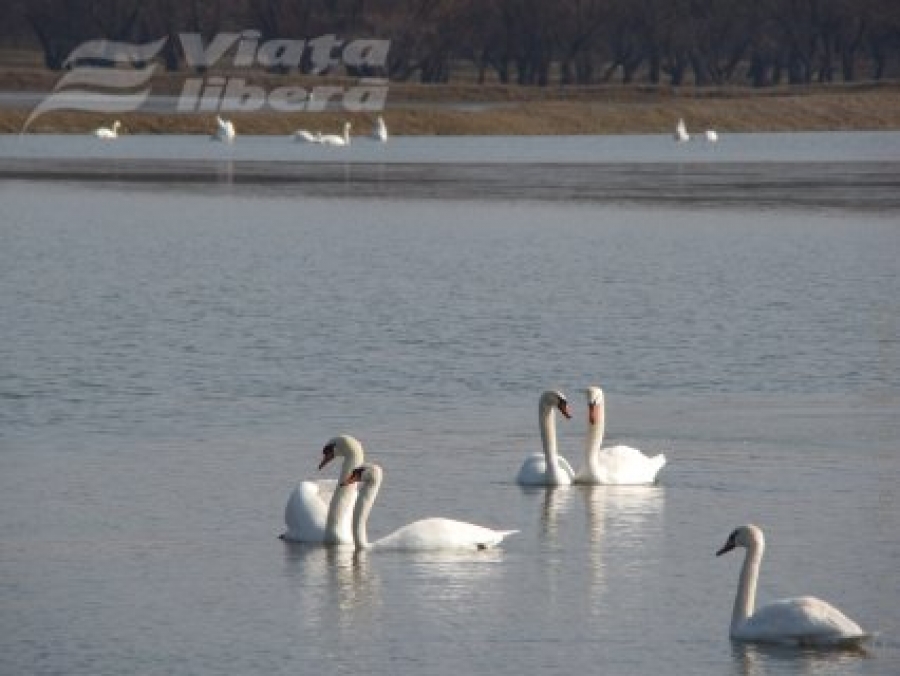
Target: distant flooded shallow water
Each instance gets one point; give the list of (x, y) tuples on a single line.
[(185, 324)]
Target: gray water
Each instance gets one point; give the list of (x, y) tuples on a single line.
[(180, 333)]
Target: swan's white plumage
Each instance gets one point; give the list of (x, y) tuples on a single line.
[(681, 133), (224, 130), (424, 535), (307, 136), (711, 135), (547, 468), (804, 621), (336, 139), (108, 132), (321, 511), (379, 131), (614, 465)]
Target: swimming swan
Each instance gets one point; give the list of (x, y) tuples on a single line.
[(548, 468), (322, 511), (107, 132), (380, 132), (614, 465), (423, 535), (336, 139), (224, 130), (801, 621)]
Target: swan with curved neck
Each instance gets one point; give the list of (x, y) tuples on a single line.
[(803, 621), (336, 139), (548, 468), (108, 132), (224, 130), (423, 535), (614, 465), (322, 511)]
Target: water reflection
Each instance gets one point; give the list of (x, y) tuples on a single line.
[(626, 513), (752, 659), (337, 584)]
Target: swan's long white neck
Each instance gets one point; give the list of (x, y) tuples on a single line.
[(368, 491), (548, 440), (595, 432), (343, 496), (745, 599)]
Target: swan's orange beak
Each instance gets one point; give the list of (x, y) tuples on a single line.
[(564, 409), (327, 455), (593, 413)]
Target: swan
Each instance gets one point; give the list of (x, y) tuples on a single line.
[(423, 535), (380, 132), (548, 468), (711, 135), (307, 136), (336, 139), (224, 130), (321, 511), (108, 132), (802, 621), (621, 465), (681, 133)]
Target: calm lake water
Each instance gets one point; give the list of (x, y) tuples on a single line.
[(184, 325)]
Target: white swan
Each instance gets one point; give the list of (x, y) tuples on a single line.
[(224, 130), (548, 468), (802, 621), (620, 465), (321, 511), (380, 132), (108, 132), (307, 136), (423, 535), (711, 135), (681, 133), (336, 139)]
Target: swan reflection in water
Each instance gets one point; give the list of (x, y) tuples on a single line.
[(337, 582), (758, 659)]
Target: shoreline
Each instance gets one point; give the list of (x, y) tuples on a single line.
[(493, 110)]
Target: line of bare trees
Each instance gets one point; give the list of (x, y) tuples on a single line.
[(528, 42)]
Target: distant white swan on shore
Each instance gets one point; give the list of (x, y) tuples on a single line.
[(711, 135), (108, 132), (803, 621), (336, 139), (380, 132), (224, 130), (423, 535), (548, 468), (681, 133)]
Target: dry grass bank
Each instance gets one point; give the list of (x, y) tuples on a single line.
[(493, 109)]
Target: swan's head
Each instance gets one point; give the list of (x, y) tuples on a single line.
[(745, 536), (555, 399), (344, 446), (595, 403), (116, 125), (364, 474)]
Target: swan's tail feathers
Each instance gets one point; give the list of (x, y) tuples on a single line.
[(497, 539)]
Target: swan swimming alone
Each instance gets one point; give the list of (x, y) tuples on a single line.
[(380, 132), (548, 468), (108, 132), (801, 621), (336, 139), (322, 511), (424, 535), (614, 465), (224, 130)]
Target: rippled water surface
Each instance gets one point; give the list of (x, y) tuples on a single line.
[(182, 332)]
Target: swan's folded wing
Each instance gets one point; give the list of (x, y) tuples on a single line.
[(306, 512), (803, 621), (438, 533)]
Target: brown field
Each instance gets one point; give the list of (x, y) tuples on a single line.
[(494, 109)]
